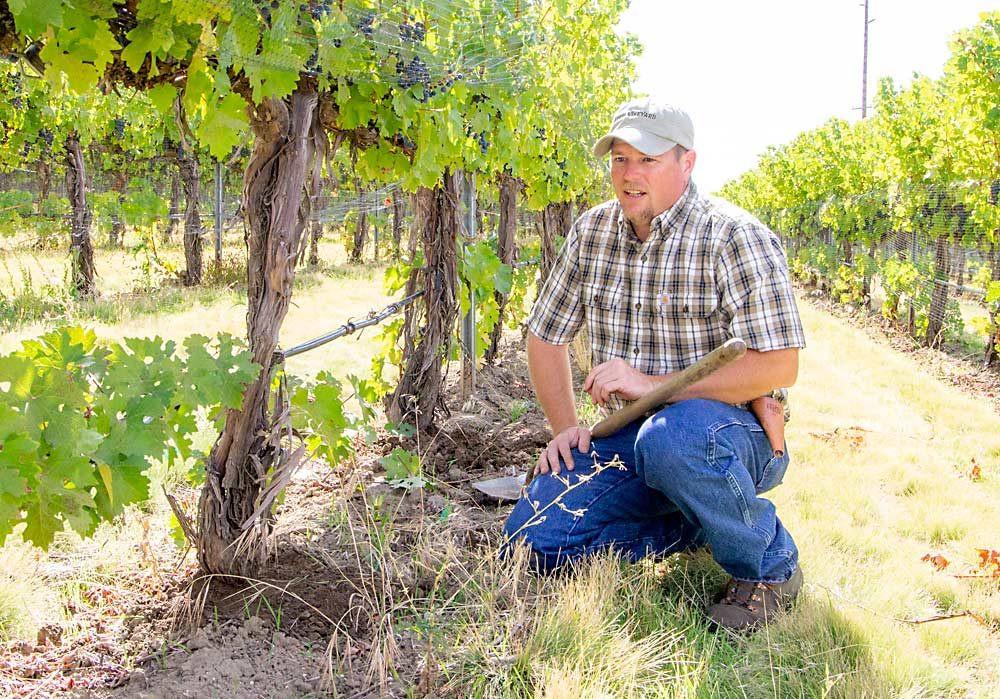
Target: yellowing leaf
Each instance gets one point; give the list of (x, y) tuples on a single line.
[(105, 472)]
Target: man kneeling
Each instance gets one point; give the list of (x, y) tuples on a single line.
[(660, 276)]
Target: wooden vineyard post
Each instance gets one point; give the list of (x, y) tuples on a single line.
[(469, 321)]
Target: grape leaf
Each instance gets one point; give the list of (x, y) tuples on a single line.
[(33, 17), (225, 126)]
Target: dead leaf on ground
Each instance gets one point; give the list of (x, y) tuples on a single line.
[(937, 560), (988, 558), (853, 437), (975, 473)]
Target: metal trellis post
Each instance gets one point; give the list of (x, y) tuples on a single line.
[(469, 321), (218, 211)]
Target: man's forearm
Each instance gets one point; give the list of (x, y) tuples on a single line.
[(548, 366), (753, 375)]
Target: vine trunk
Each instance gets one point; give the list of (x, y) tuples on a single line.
[(235, 512), (418, 393), (510, 189), (81, 249), (187, 163)]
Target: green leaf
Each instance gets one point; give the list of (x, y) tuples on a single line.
[(50, 504), (147, 40), (224, 126), (400, 463), (33, 17)]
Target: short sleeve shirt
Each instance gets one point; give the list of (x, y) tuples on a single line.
[(708, 272)]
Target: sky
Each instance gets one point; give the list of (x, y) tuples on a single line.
[(754, 73)]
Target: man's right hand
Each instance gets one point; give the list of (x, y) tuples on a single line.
[(561, 447)]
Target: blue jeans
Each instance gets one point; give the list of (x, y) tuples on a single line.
[(689, 475)]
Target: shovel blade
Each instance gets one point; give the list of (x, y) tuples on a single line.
[(504, 489)]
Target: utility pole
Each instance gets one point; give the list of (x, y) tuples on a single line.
[(864, 69)]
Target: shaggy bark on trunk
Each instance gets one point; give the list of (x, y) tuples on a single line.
[(939, 297), (44, 171), (174, 215), (236, 506), (315, 226), (993, 259), (556, 220), (960, 268), (187, 162), (418, 394), (116, 236), (510, 189), (847, 252), (398, 213), (44, 182), (360, 235), (81, 249)]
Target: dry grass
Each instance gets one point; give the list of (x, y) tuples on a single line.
[(324, 299)]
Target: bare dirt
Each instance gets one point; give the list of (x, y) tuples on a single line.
[(330, 615)]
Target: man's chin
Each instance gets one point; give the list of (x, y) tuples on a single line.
[(640, 221)]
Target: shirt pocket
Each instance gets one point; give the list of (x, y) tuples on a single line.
[(685, 323), (602, 305)]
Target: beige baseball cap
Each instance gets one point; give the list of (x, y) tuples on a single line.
[(649, 125)]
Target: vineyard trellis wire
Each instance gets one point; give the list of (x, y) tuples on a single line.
[(898, 263)]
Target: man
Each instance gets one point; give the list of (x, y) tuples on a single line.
[(660, 276)]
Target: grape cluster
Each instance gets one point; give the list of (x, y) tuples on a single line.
[(119, 128), (312, 65), (995, 192), (47, 136), (265, 8), (17, 102), (317, 9), (412, 32), (403, 142), (413, 73), (365, 24), (480, 137)]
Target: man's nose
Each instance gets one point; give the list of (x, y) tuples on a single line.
[(629, 170)]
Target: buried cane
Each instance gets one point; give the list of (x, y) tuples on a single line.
[(509, 487)]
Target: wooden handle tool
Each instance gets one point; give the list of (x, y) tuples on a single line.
[(729, 352)]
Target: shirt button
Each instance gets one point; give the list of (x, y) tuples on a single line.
[(644, 257), (638, 306), (635, 351)]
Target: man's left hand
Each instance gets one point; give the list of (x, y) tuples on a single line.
[(616, 377)]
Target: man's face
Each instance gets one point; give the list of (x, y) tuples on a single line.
[(648, 185)]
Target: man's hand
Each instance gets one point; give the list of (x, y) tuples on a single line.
[(561, 447), (617, 377)]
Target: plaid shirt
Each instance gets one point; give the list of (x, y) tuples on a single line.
[(707, 272)]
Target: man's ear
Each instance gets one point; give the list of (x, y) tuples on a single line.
[(688, 160)]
